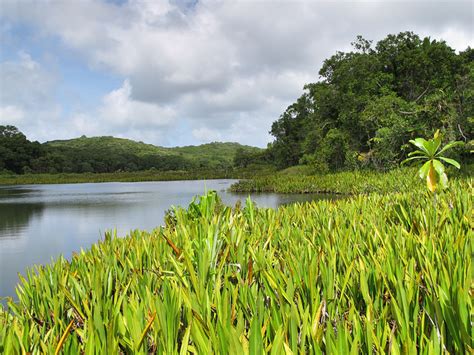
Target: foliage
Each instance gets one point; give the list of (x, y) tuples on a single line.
[(370, 101), (109, 155), (245, 157), (347, 182), (134, 176), (433, 170), (16, 152), (370, 274)]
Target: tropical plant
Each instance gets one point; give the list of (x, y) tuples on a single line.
[(433, 169), (371, 274)]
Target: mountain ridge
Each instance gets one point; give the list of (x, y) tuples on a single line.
[(214, 153)]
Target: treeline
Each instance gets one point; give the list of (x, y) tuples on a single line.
[(369, 102), (108, 155)]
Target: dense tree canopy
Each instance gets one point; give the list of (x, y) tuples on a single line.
[(109, 154), (16, 152), (369, 102)]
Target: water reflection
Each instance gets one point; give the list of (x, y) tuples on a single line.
[(14, 218), (40, 222)]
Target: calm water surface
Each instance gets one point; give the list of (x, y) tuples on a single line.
[(40, 222)]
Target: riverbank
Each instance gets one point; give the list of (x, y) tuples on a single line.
[(383, 272), (137, 176), (347, 182)]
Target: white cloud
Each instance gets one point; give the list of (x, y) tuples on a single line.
[(119, 109), (28, 94), (24, 83), (119, 113), (27, 97), (11, 115), (86, 124), (205, 134), (226, 69)]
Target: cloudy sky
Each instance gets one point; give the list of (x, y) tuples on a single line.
[(179, 72)]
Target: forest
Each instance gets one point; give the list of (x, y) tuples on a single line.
[(110, 155), (368, 103)]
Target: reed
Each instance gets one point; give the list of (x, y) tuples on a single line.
[(378, 273), (346, 182)]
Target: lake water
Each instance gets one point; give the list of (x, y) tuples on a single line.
[(40, 222)]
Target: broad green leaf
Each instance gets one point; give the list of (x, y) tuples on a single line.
[(423, 172), (420, 143), (438, 166), (443, 180), (449, 146), (451, 161)]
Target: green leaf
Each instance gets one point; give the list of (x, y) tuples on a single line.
[(451, 161), (436, 142), (443, 180), (449, 146), (442, 177), (255, 338), (438, 166), (412, 158), (420, 143), (424, 170), (416, 152)]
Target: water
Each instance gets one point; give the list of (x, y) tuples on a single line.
[(41, 222)]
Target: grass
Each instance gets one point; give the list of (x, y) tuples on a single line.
[(347, 182), (378, 273), (149, 175)]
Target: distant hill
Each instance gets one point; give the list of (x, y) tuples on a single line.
[(214, 154), (109, 155)]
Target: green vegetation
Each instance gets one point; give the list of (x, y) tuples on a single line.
[(110, 155), (364, 108), (211, 155), (377, 273), (380, 272), (371, 101), (301, 179), (433, 170), (347, 182), (135, 176)]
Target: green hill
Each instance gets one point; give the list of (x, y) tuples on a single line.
[(105, 154), (108, 142)]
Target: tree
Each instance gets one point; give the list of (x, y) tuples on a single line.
[(377, 97), (16, 151)]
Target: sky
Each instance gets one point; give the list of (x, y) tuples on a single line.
[(182, 72)]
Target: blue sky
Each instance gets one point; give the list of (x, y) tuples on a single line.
[(185, 72)]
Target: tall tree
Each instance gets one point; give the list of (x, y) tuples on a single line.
[(370, 101)]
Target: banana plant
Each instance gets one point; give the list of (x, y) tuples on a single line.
[(433, 170)]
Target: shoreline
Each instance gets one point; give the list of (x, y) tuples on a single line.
[(138, 176)]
